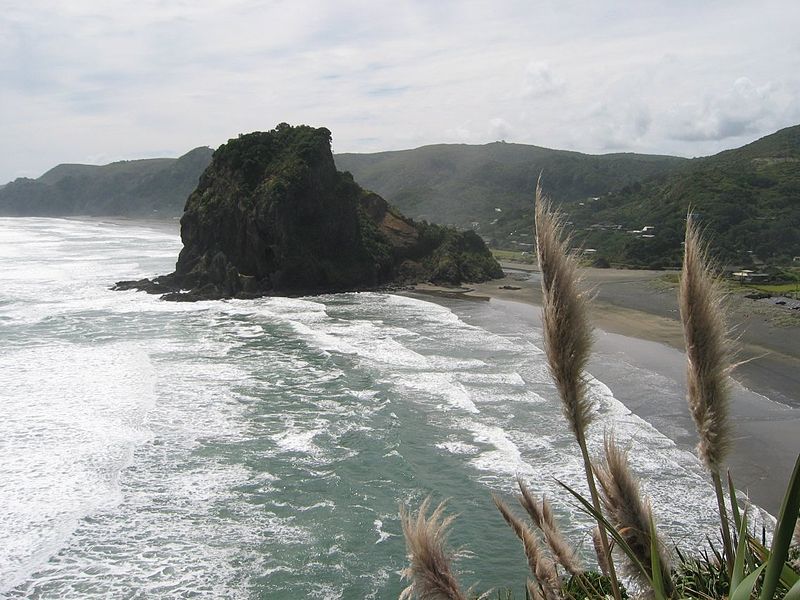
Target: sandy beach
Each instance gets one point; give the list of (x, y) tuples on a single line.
[(635, 314)]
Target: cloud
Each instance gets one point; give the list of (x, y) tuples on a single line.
[(744, 108), (499, 129), (128, 78), (540, 80), (618, 125)]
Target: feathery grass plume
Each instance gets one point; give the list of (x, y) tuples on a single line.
[(707, 351), (708, 355), (533, 591), (430, 571), (541, 566), (630, 513), (567, 339), (541, 514), (567, 333), (602, 557)]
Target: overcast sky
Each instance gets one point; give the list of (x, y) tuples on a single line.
[(96, 81)]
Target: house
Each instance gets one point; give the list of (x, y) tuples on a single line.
[(748, 276)]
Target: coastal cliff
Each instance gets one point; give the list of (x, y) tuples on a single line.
[(152, 188), (272, 215)]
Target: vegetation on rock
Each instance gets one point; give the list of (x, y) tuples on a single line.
[(272, 215)]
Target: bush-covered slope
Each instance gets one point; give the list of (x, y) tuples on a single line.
[(463, 184), (748, 199)]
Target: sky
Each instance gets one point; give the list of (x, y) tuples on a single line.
[(96, 81)]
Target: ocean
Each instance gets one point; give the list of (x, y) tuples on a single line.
[(261, 448)]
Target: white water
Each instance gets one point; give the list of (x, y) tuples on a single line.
[(260, 448)]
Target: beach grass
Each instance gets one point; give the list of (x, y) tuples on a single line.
[(774, 288)]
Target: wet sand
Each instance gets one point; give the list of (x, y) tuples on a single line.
[(637, 318)]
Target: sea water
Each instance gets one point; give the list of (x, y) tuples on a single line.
[(261, 448)]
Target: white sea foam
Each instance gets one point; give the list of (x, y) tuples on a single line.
[(72, 415), (458, 447), (544, 451), (382, 535), (204, 454), (298, 438)]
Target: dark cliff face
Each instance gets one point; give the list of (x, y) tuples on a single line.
[(272, 215), (275, 206)]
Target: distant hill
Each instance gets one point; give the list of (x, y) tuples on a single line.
[(748, 199), (156, 187), (462, 184)]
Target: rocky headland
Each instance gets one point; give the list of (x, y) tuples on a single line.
[(153, 188), (271, 215)]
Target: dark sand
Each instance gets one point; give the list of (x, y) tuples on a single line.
[(637, 319)]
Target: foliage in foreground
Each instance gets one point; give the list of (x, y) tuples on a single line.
[(741, 569)]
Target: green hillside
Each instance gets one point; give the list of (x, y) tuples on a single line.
[(748, 199), (156, 187), (463, 185)]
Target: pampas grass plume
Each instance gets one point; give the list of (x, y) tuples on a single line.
[(630, 514), (567, 334), (707, 351), (541, 566), (567, 338), (541, 513), (430, 570), (602, 557)]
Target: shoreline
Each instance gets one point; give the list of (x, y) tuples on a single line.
[(162, 224), (638, 322), (638, 319)]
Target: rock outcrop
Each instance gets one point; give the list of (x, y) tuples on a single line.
[(272, 215)]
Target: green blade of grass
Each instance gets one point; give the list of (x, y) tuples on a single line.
[(734, 503), (655, 564), (789, 576), (745, 589), (741, 551), (793, 593), (782, 537), (612, 531)]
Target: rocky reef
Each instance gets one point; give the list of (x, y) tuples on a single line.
[(271, 215)]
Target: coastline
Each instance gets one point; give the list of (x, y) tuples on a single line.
[(637, 327), (162, 224), (638, 321)]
